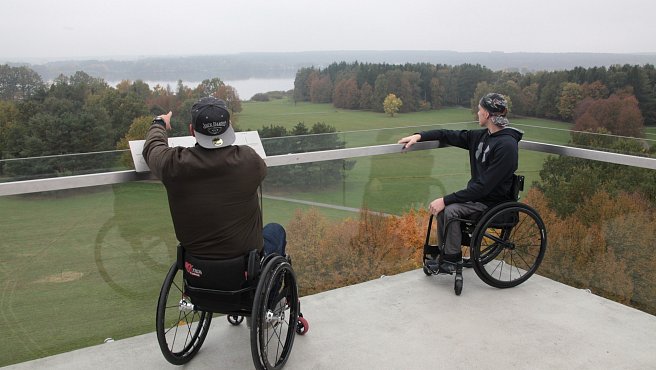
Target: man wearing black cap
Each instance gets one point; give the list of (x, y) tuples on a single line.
[(212, 187), (493, 159)]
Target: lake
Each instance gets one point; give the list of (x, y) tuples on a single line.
[(245, 88)]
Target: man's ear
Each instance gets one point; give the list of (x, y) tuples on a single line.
[(191, 130)]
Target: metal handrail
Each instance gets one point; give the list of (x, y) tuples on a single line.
[(117, 177)]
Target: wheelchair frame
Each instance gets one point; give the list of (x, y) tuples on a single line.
[(268, 295), (505, 240)]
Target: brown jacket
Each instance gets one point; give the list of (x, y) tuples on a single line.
[(212, 194)]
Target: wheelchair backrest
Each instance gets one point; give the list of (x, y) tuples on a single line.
[(220, 285), (224, 275), (517, 186)]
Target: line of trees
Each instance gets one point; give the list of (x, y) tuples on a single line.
[(300, 139), (82, 114), (425, 86)]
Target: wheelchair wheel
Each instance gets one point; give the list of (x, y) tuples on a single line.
[(509, 245), (457, 285), (275, 315), (181, 329), (426, 271), (235, 319)]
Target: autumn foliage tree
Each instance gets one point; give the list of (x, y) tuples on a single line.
[(619, 115), (329, 255), (571, 95), (600, 246), (346, 94), (366, 96), (321, 90), (392, 104)]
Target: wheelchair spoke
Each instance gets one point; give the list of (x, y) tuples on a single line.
[(275, 335)]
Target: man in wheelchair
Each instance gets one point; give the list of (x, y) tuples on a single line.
[(212, 187), (231, 264), (493, 158)]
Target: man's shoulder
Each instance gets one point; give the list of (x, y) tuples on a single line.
[(245, 152)]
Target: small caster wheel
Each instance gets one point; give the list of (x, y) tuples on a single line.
[(302, 325), (235, 319), (458, 285), (427, 271)]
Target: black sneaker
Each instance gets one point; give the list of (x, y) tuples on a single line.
[(441, 267)]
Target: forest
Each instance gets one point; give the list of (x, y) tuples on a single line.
[(553, 95)]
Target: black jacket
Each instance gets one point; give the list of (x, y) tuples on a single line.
[(492, 160)]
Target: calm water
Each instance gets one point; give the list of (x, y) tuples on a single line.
[(245, 88)]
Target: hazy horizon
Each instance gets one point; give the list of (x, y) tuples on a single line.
[(43, 60), (73, 29)]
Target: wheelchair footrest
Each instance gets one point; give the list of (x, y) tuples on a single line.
[(447, 268)]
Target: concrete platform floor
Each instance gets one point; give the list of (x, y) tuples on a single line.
[(411, 321)]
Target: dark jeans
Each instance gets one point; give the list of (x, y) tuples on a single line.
[(453, 234), (275, 239)]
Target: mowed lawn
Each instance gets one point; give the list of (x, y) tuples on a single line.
[(84, 265)]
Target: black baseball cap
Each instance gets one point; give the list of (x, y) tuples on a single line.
[(210, 120)]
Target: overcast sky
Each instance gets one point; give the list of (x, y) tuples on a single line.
[(122, 28)]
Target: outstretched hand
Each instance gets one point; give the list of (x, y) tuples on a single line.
[(167, 119), (409, 140)]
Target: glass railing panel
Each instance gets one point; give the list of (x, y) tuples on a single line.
[(21, 169), (84, 163), (80, 266), (377, 183), (601, 222)]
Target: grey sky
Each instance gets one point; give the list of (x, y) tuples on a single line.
[(84, 28)]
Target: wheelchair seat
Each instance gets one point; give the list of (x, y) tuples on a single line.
[(220, 285), (505, 221)]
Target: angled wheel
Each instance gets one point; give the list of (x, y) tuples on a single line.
[(181, 329), (235, 319), (457, 287), (427, 271), (302, 326), (275, 315), (509, 245)]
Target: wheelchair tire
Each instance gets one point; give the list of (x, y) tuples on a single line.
[(506, 253), (275, 315), (180, 331)]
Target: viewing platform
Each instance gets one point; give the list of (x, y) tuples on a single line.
[(93, 268), (412, 321)]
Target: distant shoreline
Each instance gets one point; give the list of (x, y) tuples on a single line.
[(243, 66)]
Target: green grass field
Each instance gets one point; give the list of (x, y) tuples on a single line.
[(84, 265)]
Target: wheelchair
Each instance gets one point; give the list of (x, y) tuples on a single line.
[(262, 290), (505, 244)]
